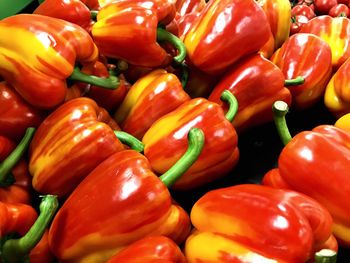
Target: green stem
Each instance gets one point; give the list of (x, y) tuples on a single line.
[(7, 165), (93, 14), (112, 82), (163, 35), (280, 109), (326, 256), (231, 100), (195, 145), (15, 249), (294, 82), (130, 140)]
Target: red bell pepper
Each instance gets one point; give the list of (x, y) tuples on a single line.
[(134, 203), (254, 223), (16, 115), (41, 253), (224, 32), (15, 180), (278, 13), (150, 98), (106, 98), (316, 163), (21, 229), (150, 250), (42, 56), (127, 30), (69, 144), (184, 7), (256, 83), (337, 95), (165, 140), (74, 11), (309, 56), (336, 32)]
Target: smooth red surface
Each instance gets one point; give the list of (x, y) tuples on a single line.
[(119, 202)]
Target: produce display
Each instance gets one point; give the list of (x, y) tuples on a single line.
[(144, 131)]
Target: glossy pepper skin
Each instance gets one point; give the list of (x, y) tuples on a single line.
[(214, 43), (38, 61), (184, 7), (256, 83), (150, 250), (309, 56), (74, 11), (343, 122), (69, 144), (165, 142), (16, 218), (254, 223), (337, 95), (120, 33), (106, 98), (150, 98), (16, 115), (308, 156), (335, 31), (278, 13), (134, 204)]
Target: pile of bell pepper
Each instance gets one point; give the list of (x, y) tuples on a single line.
[(122, 121)]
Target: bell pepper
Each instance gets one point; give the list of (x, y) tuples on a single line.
[(337, 95), (106, 98), (278, 13), (21, 229), (184, 7), (69, 144), (309, 56), (254, 223), (150, 98), (134, 203), (128, 30), (336, 32), (42, 56), (41, 253), (16, 115), (256, 83), (15, 180), (74, 11), (343, 122), (309, 160), (165, 140), (150, 250), (224, 32)]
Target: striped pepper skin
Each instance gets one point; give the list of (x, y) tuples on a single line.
[(121, 33), (308, 56), (42, 56), (337, 95), (16, 115), (256, 83), (308, 156), (133, 204), (278, 14), (69, 144), (74, 11), (224, 32), (165, 142), (254, 223), (154, 249), (335, 31), (184, 7), (150, 98)]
